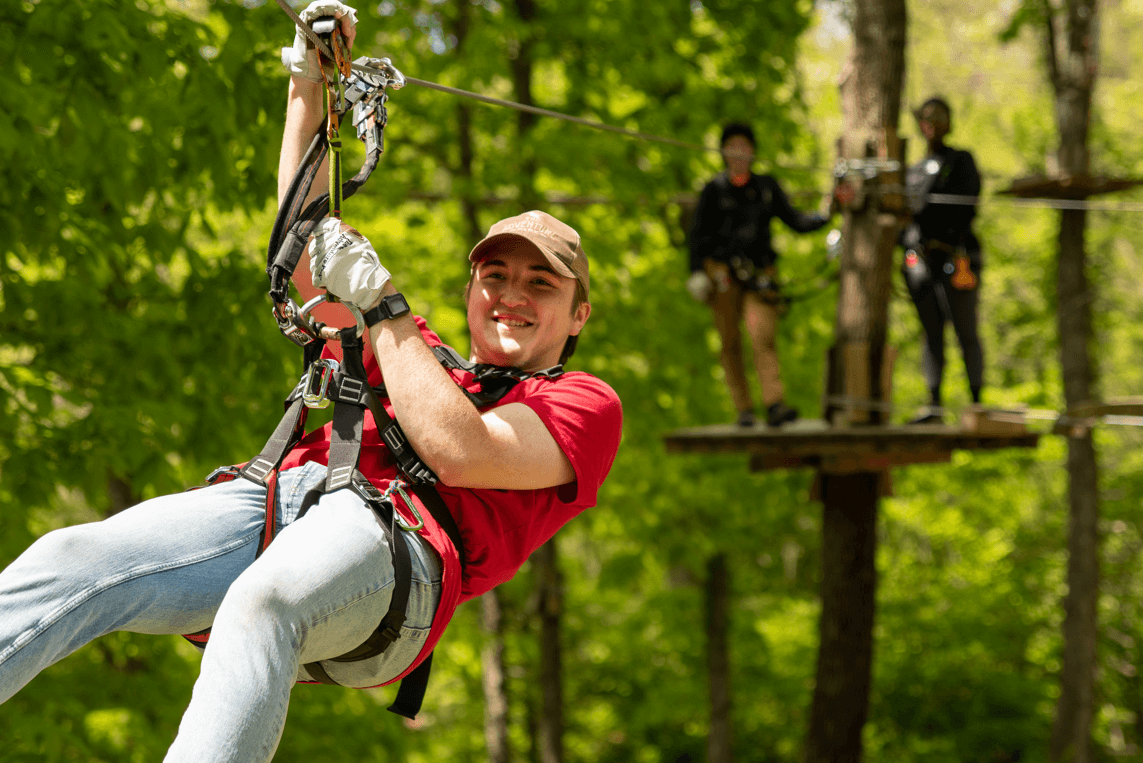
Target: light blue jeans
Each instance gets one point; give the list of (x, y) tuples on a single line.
[(185, 562)]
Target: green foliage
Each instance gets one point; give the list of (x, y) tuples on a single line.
[(139, 144)]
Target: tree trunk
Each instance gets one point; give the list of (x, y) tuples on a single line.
[(120, 496), (718, 745), (467, 188), (521, 65), (1071, 734), (871, 103), (1072, 64), (550, 600), (845, 656), (492, 671)]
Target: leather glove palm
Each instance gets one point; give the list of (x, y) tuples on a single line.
[(344, 263)]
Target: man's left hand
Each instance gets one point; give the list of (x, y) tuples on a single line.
[(301, 59), (344, 263)]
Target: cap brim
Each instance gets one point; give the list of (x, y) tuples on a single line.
[(480, 252)]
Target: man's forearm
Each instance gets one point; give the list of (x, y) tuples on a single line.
[(304, 112), (444, 428)]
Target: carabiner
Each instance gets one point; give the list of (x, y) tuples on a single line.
[(329, 333), (294, 326), (396, 486)]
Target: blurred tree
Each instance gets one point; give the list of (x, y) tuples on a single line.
[(1071, 57)]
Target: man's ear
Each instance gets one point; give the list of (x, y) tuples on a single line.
[(582, 313)]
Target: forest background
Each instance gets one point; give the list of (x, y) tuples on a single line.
[(139, 146)]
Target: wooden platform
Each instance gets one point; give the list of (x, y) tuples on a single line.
[(841, 450), (1078, 187)]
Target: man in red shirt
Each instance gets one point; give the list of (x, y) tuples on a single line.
[(511, 473)]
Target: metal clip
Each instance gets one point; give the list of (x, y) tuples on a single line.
[(868, 168), (379, 73), (321, 330), (396, 486), (315, 393), (291, 325)]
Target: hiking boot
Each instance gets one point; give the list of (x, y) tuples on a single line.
[(779, 413), (745, 419)]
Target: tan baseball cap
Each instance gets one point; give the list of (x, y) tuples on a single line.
[(557, 241)]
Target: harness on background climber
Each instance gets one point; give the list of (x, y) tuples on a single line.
[(763, 279), (363, 87)]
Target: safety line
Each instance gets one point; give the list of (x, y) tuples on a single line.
[(949, 199), (492, 101), (569, 118)]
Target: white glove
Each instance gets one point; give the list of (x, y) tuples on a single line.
[(301, 59), (700, 286), (343, 262)]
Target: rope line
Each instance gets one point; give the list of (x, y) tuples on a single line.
[(936, 198)]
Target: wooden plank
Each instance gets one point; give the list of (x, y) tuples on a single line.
[(769, 463), (1131, 406), (850, 463), (1076, 187), (981, 420), (826, 441), (876, 462)]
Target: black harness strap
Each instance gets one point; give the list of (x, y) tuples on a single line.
[(411, 693)]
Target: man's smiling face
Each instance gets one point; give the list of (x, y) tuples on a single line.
[(519, 309)]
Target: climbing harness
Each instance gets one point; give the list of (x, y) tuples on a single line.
[(762, 279), (361, 85)]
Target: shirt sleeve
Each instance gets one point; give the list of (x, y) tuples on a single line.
[(800, 222), (585, 417), (704, 233)]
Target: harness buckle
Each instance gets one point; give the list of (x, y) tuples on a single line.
[(315, 392), (220, 472)]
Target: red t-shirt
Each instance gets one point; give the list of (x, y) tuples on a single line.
[(500, 528)]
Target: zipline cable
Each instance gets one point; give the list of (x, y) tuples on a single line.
[(492, 101), (949, 199)]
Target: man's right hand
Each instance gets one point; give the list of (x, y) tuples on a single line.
[(344, 263), (301, 59)]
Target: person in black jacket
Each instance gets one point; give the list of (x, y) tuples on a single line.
[(942, 255), (733, 269)]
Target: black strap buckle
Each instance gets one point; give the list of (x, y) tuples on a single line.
[(409, 462)]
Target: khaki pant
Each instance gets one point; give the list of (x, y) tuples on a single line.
[(731, 304)]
